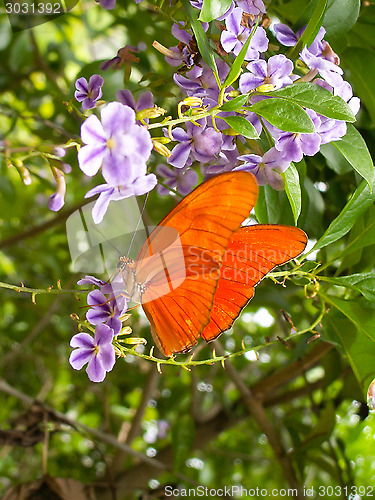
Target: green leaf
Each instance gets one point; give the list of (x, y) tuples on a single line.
[(293, 190), (361, 63), (313, 96), (236, 67), (212, 9), (285, 115), (234, 104), (335, 160), (340, 16), (354, 149), (312, 28), (182, 440), (361, 282), (200, 36), (242, 126), (267, 208), (356, 206), (361, 235), (352, 327)]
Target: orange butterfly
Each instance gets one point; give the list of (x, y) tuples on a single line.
[(199, 267)]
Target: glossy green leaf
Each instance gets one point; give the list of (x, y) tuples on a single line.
[(267, 208), (234, 104), (293, 190), (212, 9), (361, 236), (362, 282), (352, 327), (361, 63), (285, 115), (241, 125), (200, 36), (236, 67), (356, 206), (340, 16), (317, 98), (312, 28), (354, 149)]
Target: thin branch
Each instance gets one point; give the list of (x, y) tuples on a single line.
[(101, 436), (255, 408)]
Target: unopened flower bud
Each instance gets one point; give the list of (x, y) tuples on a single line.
[(150, 113), (56, 200), (161, 149), (266, 87), (23, 171), (192, 101)]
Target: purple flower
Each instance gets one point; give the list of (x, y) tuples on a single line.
[(266, 168), (98, 352), (286, 36), (108, 4), (89, 93), (201, 81), (277, 72), (197, 143), (145, 100), (105, 310), (125, 56), (181, 179), (295, 145), (186, 50), (235, 35), (91, 280), (57, 200), (117, 144), (254, 7), (344, 91), (327, 69), (135, 187), (331, 130)]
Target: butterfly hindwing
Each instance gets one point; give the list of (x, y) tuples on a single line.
[(252, 252)]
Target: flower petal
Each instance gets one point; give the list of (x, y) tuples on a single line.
[(103, 335), (95, 370), (92, 131), (90, 158), (82, 340), (107, 357), (79, 357)]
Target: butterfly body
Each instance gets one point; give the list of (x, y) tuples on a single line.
[(198, 268)]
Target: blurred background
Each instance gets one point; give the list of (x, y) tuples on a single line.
[(295, 414)]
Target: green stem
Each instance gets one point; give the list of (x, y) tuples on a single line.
[(38, 291)]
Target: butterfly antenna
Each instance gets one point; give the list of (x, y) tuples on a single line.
[(137, 226), (113, 246)]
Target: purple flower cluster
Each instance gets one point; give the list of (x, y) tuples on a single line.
[(105, 314), (121, 148), (207, 143)]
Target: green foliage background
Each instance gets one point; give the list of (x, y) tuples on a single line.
[(314, 394)]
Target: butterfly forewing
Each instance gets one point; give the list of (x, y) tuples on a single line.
[(205, 221)]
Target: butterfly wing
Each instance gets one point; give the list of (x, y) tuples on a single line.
[(252, 252), (205, 221)]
